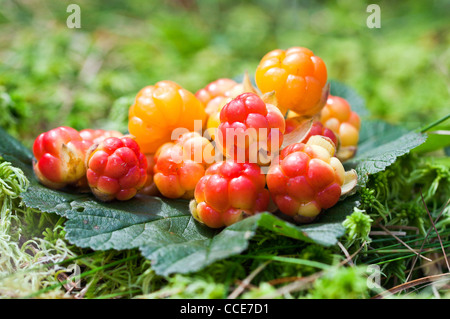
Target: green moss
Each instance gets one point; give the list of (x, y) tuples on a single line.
[(341, 283)]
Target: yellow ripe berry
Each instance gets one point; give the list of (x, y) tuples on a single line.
[(160, 109), (297, 76)]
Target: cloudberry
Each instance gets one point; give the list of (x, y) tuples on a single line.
[(59, 157), (306, 179), (116, 169), (228, 192)]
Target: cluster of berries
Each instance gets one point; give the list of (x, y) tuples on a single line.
[(106, 162), (233, 149)]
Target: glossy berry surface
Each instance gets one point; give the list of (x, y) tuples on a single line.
[(247, 124), (59, 157), (116, 169), (297, 76), (306, 179), (160, 109), (228, 192)]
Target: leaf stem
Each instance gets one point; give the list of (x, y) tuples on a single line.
[(435, 123)]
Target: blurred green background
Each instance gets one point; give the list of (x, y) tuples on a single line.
[(51, 75)]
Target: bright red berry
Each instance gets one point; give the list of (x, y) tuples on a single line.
[(60, 156), (306, 179), (248, 125), (218, 93), (116, 169), (228, 192)]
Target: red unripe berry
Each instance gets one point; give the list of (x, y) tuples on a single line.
[(306, 179), (59, 157), (228, 192), (248, 125), (116, 169)]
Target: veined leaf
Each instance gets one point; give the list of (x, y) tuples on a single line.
[(381, 148), (166, 233)]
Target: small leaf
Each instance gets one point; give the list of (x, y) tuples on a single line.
[(270, 98), (247, 84), (436, 140), (298, 134), (324, 97), (350, 182)]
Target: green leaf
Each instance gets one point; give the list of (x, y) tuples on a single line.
[(130, 224), (379, 147), (48, 200), (166, 233), (13, 151), (374, 133), (438, 138)]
